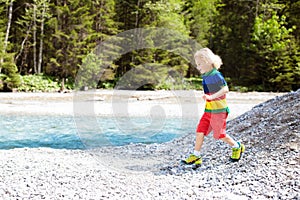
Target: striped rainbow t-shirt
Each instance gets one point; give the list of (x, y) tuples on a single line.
[(212, 82)]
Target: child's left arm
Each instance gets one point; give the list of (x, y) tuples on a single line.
[(216, 95)]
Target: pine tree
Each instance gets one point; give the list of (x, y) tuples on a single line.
[(275, 49), (31, 29), (234, 40), (9, 77), (96, 69), (23, 42), (232, 29), (130, 16), (199, 16), (160, 58), (168, 14), (71, 26), (104, 15)]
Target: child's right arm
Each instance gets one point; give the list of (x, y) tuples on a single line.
[(216, 95)]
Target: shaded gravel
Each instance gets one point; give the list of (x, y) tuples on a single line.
[(269, 168)]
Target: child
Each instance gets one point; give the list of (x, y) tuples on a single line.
[(216, 109)]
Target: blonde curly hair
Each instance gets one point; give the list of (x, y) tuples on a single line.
[(209, 57)]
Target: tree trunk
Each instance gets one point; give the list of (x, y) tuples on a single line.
[(62, 87), (41, 40), (34, 40), (137, 31), (23, 42), (7, 31), (257, 6)]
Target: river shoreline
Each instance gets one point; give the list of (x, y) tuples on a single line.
[(137, 103)]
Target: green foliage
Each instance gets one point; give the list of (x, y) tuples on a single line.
[(71, 27), (291, 11), (199, 17), (241, 89), (9, 77), (231, 36), (143, 77), (9, 81), (168, 15), (107, 85), (90, 72), (104, 22), (3, 18), (194, 83), (259, 52), (258, 42), (38, 83), (274, 46)]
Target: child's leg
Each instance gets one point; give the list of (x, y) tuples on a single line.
[(196, 157), (199, 141), (218, 123), (230, 141), (202, 128)]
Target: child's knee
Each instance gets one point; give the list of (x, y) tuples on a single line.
[(199, 134), (219, 136)]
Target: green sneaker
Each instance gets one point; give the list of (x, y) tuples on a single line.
[(192, 159), (198, 162), (237, 152)]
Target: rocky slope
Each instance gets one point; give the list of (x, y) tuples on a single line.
[(268, 169)]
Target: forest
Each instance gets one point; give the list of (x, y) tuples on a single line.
[(45, 43)]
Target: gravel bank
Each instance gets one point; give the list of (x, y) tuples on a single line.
[(269, 168), (106, 102)]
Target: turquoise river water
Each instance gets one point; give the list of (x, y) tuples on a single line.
[(61, 132)]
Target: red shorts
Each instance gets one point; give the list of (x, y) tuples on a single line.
[(215, 122)]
